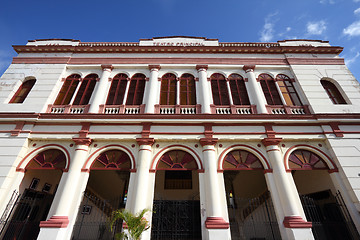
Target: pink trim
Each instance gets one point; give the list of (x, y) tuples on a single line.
[(333, 170), (82, 141), (216, 223), (38, 150), (244, 147), (268, 171), (154, 67), (198, 67), (110, 146), (18, 127), (335, 127), (249, 68), (164, 150), (107, 66), (208, 141), (271, 150), (300, 146), (271, 141), (145, 141), (55, 222), (296, 222), (124, 225)]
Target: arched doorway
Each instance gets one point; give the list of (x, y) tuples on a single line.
[(322, 202), (36, 193), (250, 208), (105, 192), (176, 208)]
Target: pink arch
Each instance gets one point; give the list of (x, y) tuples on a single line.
[(20, 169), (163, 151), (221, 158), (127, 151), (315, 150)]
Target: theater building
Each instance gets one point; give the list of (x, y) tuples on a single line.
[(220, 140)]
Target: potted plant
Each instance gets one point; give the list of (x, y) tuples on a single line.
[(136, 224)]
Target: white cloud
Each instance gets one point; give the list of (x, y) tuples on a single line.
[(288, 29), (350, 61), (316, 28), (356, 0), (267, 33), (357, 11), (353, 29)]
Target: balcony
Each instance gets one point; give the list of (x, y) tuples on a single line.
[(295, 110), (177, 109), (71, 109), (233, 109), (122, 109)]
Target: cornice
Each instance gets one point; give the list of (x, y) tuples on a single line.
[(135, 48)]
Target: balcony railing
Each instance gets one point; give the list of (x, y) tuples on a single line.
[(280, 109), (122, 109), (177, 109), (72, 109), (233, 109)]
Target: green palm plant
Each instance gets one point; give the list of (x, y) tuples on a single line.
[(136, 224)]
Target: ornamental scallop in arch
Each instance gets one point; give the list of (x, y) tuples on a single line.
[(302, 159), (112, 160), (177, 160), (241, 160), (48, 159)]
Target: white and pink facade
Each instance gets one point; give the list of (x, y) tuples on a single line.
[(181, 119)]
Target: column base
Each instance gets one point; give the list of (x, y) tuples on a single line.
[(216, 223), (296, 222), (55, 222)]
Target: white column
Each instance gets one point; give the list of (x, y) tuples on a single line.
[(204, 89), (101, 90), (295, 225), (216, 226), (152, 89), (140, 190), (68, 193), (177, 91), (229, 91), (126, 91), (255, 93)]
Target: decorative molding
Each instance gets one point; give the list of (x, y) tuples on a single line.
[(271, 141), (157, 67), (216, 223), (208, 141), (145, 133), (269, 131), (107, 66), (82, 141), (249, 68), (296, 222), (18, 127), (84, 129), (55, 222), (199, 67), (335, 127), (145, 141)]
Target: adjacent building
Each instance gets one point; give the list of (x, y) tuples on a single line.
[(220, 140)]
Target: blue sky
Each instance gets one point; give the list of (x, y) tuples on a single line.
[(337, 21)]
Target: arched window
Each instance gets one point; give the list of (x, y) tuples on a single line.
[(241, 160), (269, 88), (117, 90), (86, 88), (288, 90), (333, 92), (23, 91), (112, 159), (48, 159), (305, 160), (219, 89), (136, 90), (67, 90), (168, 89), (238, 90), (187, 90), (177, 160)]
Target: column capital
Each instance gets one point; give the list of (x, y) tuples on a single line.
[(55, 222), (216, 223), (208, 141), (153, 67), (271, 141), (199, 67), (145, 141), (106, 66), (296, 222), (249, 68), (82, 141)]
